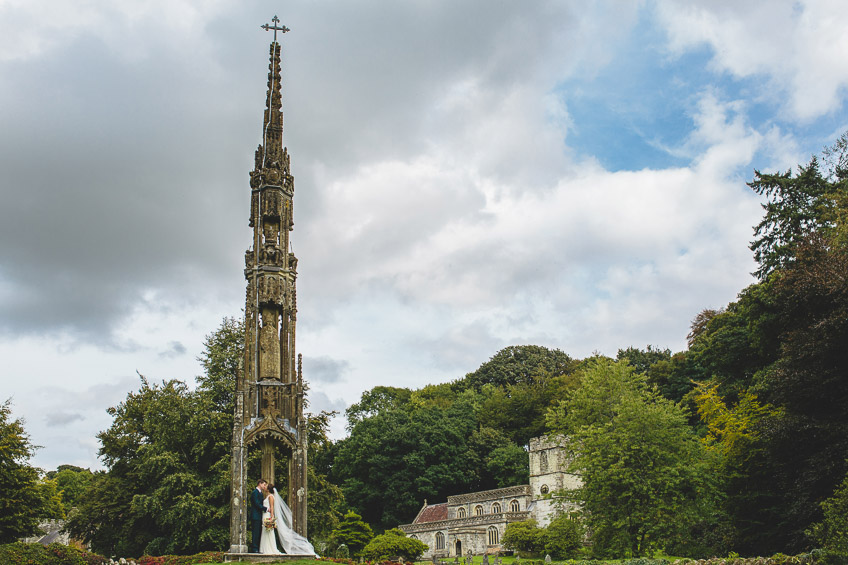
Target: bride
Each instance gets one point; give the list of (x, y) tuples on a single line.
[(293, 543)]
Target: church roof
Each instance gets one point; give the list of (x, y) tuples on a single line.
[(432, 513)]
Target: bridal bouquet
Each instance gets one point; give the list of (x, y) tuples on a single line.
[(270, 523)]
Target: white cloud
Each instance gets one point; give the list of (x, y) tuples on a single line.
[(31, 28), (802, 47), (441, 209)]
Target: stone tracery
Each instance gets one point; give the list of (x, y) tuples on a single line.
[(269, 386)]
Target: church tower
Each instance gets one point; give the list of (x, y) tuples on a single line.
[(548, 478), (269, 385)]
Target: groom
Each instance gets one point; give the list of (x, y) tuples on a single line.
[(255, 516)]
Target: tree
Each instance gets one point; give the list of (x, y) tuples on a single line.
[(376, 400), (642, 359), (671, 374), (737, 436), (167, 454), (326, 500), (524, 536), (798, 206), (392, 544), (832, 532), (222, 353), (646, 477), (740, 343), (167, 485), (529, 398), (518, 364), (808, 445), (396, 458), (508, 465), (563, 537), (22, 494), (166, 488), (72, 482), (353, 532)]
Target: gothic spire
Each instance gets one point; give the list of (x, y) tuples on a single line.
[(271, 157)]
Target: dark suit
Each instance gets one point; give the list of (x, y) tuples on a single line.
[(255, 519)]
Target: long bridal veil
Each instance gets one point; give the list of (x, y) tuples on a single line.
[(293, 543)]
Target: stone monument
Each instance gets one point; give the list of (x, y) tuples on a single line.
[(269, 384)]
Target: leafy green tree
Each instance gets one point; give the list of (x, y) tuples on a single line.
[(166, 488), (671, 374), (392, 544), (524, 536), (23, 497), (642, 359), (496, 461), (167, 456), (102, 514), (353, 532), (52, 507), (530, 399), (376, 400), (396, 458), (518, 364), (739, 344), (645, 475), (808, 446), (439, 395), (326, 500), (737, 435), (508, 465), (222, 352), (798, 205), (72, 482), (832, 531), (563, 537)]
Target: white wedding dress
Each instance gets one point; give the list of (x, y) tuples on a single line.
[(267, 541), (293, 543)]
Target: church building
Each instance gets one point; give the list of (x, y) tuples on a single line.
[(475, 522)]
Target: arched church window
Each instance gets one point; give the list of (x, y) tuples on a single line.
[(544, 489), (496, 508), (460, 512), (543, 461), (493, 535), (440, 540), (478, 510), (514, 506)]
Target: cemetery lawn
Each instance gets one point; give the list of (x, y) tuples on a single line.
[(478, 559), (297, 562)]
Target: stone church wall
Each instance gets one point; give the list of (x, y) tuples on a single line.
[(475, 520)]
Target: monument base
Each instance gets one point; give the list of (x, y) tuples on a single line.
[(262, 557)]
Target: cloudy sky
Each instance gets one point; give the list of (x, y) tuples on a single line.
[(469, 175)]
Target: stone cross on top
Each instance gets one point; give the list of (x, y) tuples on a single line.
[(276, 20)]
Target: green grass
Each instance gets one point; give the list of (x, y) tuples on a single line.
[(297, 562), (478, 559)]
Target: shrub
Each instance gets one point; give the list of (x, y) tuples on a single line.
[(352, 532), (204, 557), (54, 554), (342, 552), (524, 536), (562, 537), (394, 543)]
